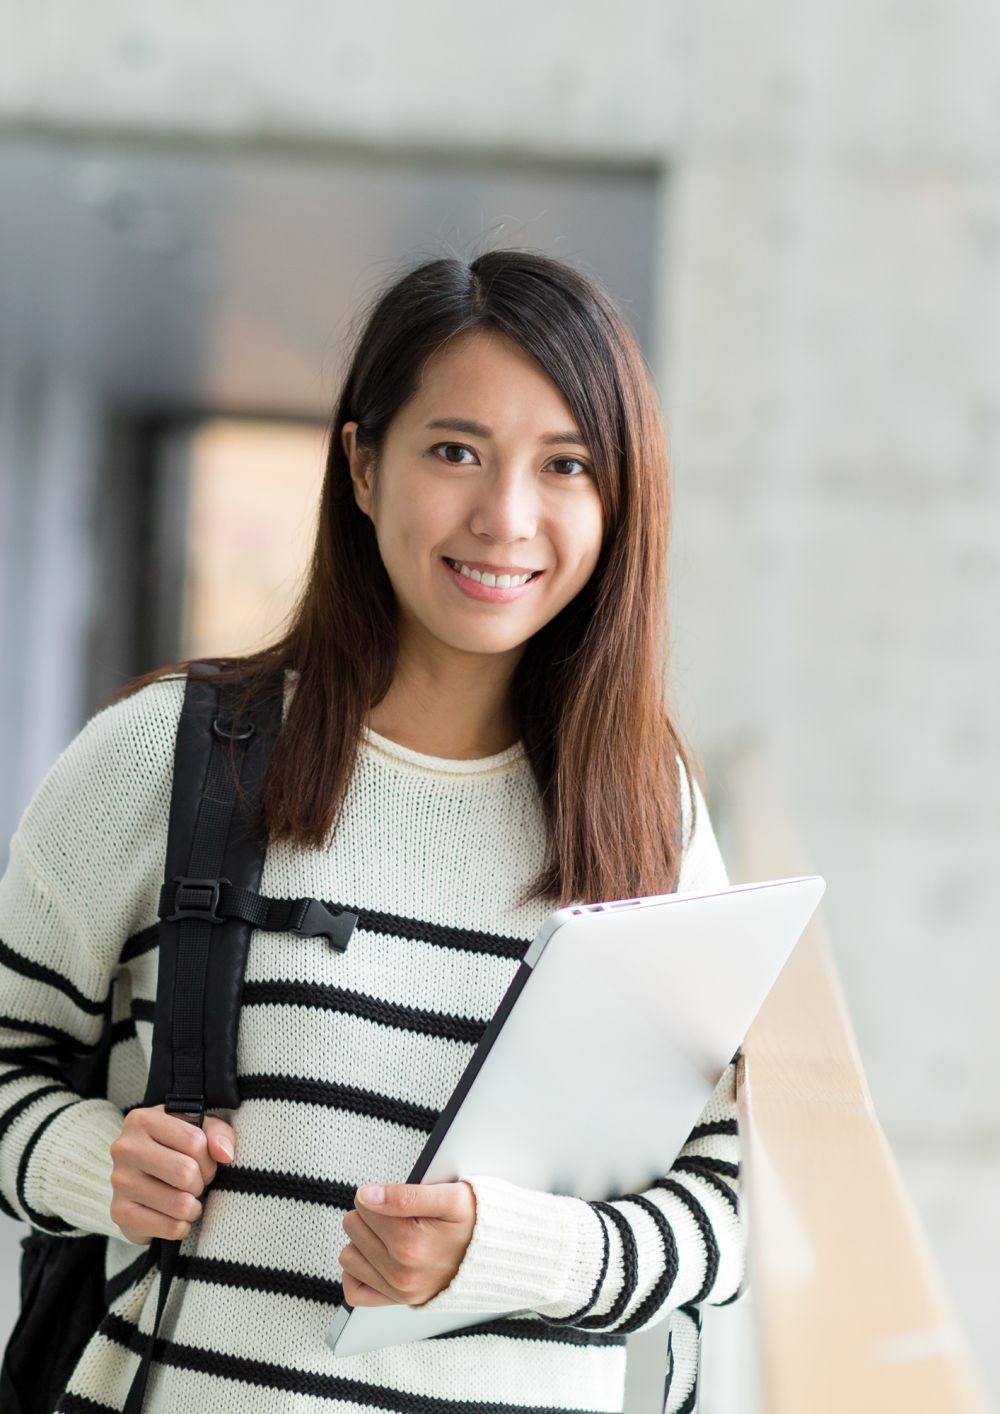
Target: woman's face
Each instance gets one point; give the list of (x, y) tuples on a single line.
[(482, 468)]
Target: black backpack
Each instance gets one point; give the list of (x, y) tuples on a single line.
[(208, 905)]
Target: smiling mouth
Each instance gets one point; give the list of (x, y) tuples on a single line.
[(499, 579)]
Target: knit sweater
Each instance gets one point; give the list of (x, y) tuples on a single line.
[(344, 1062)]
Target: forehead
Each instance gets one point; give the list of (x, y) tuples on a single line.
[(487, 377)]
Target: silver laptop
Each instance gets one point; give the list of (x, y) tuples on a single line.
[(613, 1033)]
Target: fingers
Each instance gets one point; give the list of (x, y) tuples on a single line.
[(161, 1164), (360, 1295), (145, 1191), (357, 1265), (450, 1202), (178, 1152), (366, 1239)]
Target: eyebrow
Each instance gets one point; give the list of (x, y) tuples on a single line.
[(479, 429)]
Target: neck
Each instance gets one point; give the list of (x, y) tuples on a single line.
[(448, 704)]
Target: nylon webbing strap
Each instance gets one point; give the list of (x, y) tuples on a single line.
[(217, 899), (187, 1093)]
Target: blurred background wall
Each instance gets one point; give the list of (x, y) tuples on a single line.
[(798, 206)]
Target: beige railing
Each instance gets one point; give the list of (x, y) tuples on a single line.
[(851, 1314)]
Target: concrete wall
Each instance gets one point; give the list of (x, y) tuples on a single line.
[(828, 332)]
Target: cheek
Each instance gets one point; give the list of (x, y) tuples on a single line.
[(588, 530)]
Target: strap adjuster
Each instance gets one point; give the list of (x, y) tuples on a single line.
[(196, 898), (189, 1107)]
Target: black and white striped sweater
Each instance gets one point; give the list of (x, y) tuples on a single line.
[(344, 1062)]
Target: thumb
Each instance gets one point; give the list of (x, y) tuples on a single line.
[(221, 1138), (416, 1200)]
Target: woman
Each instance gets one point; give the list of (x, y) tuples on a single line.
[(474, 732)]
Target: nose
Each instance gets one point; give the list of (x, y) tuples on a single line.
[(506, 507)]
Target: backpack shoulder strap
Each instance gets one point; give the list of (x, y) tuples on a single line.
[(200, 970), (209, 901)]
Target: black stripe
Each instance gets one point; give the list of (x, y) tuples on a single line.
[(38, 1069), (142, 1009), (141, 942), (663, 1285), (280, 1377), (303, 1090), (25, 1102), (264, 1183), (80, 1404), (715, 1126), (123, 1030), (699, 1164), (18, 1055), (730, 1299), (630, 1270), (244, 1276), (417, 931), (38, 972), (670, 1185), (405, 1018), (686, 1166), (65, 1041), (41, 1220)]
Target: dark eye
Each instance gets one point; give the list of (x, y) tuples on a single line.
[(453, 446), (571, 461)]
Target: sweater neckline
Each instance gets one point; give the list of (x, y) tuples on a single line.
[(441, 765)]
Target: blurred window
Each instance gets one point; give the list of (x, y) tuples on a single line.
[(253, 500)]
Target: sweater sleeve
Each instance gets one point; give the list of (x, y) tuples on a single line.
[(620, 1265), (77, 885)]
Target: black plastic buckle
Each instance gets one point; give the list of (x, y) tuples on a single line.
[(196, 898), (316, 920)]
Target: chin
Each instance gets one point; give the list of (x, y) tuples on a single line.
[(483, 643)]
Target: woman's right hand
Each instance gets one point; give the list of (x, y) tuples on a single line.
[(161, 1164)]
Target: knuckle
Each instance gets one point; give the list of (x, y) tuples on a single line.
[(189, 1174), (192, 1139)]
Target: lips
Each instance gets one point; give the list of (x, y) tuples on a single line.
[(493, 593)]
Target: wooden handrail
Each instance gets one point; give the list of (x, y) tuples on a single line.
[(851, 1314)]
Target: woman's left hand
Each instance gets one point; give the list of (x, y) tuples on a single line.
[(408, 1247)]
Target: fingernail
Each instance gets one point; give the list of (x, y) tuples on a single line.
[(372, 1193), (225, 1145)]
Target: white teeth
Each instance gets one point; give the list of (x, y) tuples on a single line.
[(503, 581)]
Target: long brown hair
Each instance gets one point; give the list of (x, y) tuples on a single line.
[(590, 689)]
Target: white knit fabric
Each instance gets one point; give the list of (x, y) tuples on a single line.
[(446, 842)]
